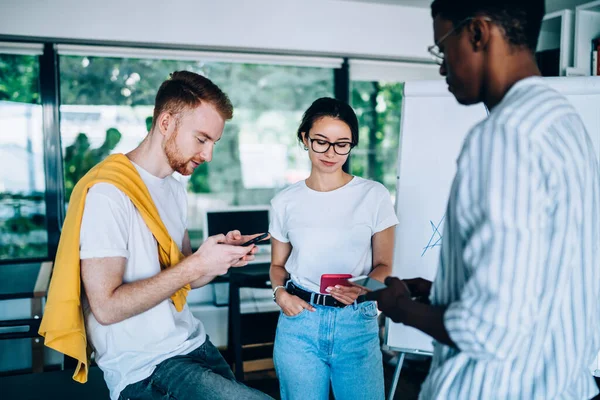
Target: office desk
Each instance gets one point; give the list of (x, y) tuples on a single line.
[(26, 281), (258, 270), (263, 324)]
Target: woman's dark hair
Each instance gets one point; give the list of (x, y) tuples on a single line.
[(520, 19), (328, 107)]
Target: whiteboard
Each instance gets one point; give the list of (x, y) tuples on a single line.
[(433, 128)]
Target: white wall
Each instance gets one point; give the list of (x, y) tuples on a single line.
[(369, 70), (323, 26)]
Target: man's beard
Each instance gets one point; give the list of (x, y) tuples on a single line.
[(174, 157)]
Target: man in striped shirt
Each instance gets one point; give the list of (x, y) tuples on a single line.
[(515, 306)]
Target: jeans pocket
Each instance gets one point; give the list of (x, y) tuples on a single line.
[(368, 309), (136, 390), (300, 314)]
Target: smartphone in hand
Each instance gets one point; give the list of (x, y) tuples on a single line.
[(367, 283), (328, 280), (256, 239)]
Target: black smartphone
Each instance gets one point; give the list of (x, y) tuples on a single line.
[(367, 283), (256, 239)]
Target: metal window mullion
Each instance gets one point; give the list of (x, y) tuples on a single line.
[(341, 90), (198, 55), (53, 167)]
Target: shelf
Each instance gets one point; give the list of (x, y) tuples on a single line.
[(587, 28), (557, 33), (594, 6)]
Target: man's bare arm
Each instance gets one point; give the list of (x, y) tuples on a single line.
[(187, 251), (112, 300)]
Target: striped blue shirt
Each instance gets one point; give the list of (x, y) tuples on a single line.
[(520, 260)]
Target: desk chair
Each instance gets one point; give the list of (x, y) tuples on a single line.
[(54, 385), (30, 281), (26, 281)]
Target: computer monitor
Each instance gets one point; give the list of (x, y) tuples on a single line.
[(246, 219)]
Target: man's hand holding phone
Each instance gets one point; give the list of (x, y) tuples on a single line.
[(221, 252), (215, 256), (387, 299), (235, 238), (399, 292), (252, 239), (420, 289)]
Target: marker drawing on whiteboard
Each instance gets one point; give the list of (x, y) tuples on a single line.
[(436, 236)]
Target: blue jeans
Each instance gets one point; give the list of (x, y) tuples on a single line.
[(201, 374), (337, 345)]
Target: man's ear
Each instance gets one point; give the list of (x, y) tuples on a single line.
[(479, 33), (165, 120)]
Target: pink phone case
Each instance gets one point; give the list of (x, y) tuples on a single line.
[(328, 280)]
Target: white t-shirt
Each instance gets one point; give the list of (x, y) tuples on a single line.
[(128, 351), (330, 232)]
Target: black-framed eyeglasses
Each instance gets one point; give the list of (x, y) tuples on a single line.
[(322, 146), (434, 50)]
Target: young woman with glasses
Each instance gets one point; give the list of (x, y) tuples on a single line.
[(331, 223)]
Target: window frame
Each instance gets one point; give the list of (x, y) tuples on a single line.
[(49, 49)]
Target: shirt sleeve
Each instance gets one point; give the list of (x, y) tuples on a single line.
[(277, 227), (385, 216), (104, 226), (183, 203), (500, 192)]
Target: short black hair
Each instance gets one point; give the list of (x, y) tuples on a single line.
[(520, 19), (328, 107)]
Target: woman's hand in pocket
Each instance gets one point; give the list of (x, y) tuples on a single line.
[(291, 305)]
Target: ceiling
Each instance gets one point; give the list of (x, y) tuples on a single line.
[(411, 3), (551, 5)]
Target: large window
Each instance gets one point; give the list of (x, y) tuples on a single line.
[(377, 88), (23, 231), (378, 106), (107, 103)]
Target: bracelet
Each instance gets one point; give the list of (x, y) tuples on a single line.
[(275, 292)]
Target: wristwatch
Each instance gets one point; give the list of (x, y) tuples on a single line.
[(275, 292)]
